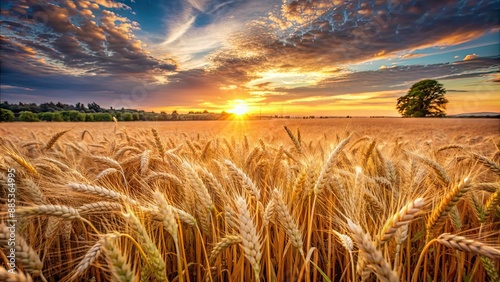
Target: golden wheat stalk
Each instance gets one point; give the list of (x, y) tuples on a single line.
[(441, 211), (286, 220), (158, 143), (243, 179), (89, 258), (22, 161), (101, 192), (63, 212), (487, 163), (402, 217), (198, 186), (98, 207), (155, 264), (224, 243), (250, 237), (373, 257), (120, 269), (169, 222), (467, 245), (327, 169), (438, 169), (24, 254), (9, 276), (54, 139), (295, 141)]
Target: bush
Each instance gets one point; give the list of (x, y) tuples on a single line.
[(28, 116), (127, 117), (46, 116)]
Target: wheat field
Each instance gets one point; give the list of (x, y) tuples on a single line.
[(271, 200)]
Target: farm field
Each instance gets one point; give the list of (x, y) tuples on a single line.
[(387, 199)]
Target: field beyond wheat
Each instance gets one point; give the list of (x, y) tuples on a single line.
[(267, 200)]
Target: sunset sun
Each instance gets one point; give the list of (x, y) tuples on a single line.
[(240, 108)]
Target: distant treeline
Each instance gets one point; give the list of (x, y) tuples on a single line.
[(92, 112)]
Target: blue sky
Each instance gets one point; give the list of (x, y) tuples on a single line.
[(326, 57)]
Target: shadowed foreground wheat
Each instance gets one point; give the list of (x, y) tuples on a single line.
[(148, 205)]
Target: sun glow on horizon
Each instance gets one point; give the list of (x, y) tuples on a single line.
[(240, 108)]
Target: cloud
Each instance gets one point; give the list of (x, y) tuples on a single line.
[(81, 38), (470, 57), (412, 56), (315, 35)]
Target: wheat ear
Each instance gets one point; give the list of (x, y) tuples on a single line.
[(245, 181), (327, 169), (487, 163), (7, 276), (491, 270), (120, 269), (63, 212), (373, 257), (155, 263), (223, 244), (169, 222), (467, 245), (99, 207), (439, 214), (438, 170), (158, 143), (54, 139), (34, 192), (295, 141), (107, 161), (22, 162), (91, 255), (403, 217), (28, 258), (198, 186), (101, 192), (286, 220), (249, 236)]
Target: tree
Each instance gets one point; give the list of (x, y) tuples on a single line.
[(7, 115), (174, 115), (424, 99)]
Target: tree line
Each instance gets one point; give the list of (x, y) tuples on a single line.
[(31, 112)]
